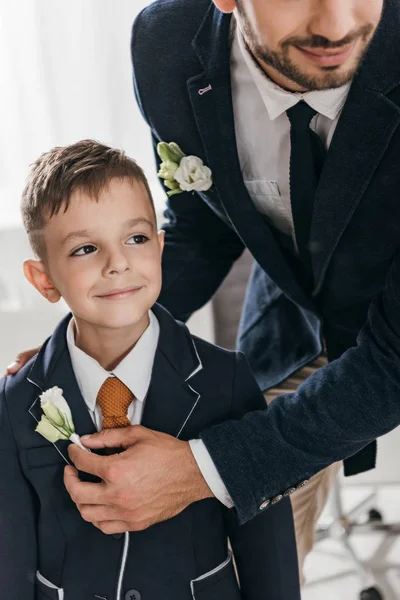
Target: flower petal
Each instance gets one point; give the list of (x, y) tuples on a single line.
[(48, 431)]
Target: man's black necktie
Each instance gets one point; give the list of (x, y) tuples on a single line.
[(307, 157)]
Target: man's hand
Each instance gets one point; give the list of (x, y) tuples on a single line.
[(152, 479), (21, 360)]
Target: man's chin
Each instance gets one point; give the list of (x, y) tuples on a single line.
[(322, 78)]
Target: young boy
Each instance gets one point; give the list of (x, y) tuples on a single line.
[(90, 219)]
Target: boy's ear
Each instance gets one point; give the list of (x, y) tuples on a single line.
[(35, 272), (161, 236)]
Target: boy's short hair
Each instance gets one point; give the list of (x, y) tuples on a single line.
[(86, 165)]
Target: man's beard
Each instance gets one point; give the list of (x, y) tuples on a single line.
[(330, 77)]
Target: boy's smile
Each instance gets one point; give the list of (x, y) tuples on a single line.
[(104, 259)]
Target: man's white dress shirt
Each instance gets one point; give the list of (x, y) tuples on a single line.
[(262, 131), (134, 371)]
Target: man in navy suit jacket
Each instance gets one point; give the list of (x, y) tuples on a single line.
[(182, 79)]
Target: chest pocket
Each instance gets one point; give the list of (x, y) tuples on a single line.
[(218, 583), (45, 590), (267, 198), (47, 456)]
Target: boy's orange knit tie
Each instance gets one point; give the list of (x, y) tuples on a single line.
[(114, 399)]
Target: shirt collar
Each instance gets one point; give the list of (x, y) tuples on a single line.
[(134, 370), (277, 100)]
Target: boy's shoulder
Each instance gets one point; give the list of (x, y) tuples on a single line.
[(17, 387), (216, 362), (20, 385), (212, 350), (188, 352)]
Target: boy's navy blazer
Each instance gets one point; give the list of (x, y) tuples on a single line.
[(181, 75), (48, 551)]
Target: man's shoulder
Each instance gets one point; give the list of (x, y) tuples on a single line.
[(173, 14), (166, 28)]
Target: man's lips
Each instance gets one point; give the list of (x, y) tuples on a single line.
[(118, 294), (327, 58)]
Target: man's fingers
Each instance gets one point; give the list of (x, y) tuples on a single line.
[(89, 462), (20, 360), (82, 492), (100, 512), (112, 527), (13, 368), (121, 437)]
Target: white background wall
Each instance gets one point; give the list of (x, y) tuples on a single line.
[(65, 75)]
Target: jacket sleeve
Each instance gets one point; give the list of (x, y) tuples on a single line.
[(200, 247), (18, 556), (264, 548), (335, 413)]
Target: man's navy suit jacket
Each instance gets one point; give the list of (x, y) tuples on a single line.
[(181, 74), (193, 385)]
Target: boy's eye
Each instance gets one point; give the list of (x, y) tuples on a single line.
[(88, 249), (138, 239)]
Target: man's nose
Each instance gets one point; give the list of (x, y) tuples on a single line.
[(333, 19)]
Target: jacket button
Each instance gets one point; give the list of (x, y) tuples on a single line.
[(132, 595), (301, 484), (289, 491), (117, 536), (277, 499), (265, 504)]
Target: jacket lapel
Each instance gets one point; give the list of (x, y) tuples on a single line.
[(53, 367), (363, 133), (172, 398), (365, 128), (211, 98)]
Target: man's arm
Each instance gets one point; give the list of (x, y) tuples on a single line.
[(17, 523), (334, 413)]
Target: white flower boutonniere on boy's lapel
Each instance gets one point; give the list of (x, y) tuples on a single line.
[(182, 173), (56, 423)]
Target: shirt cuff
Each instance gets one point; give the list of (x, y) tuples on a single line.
[(210, 472)]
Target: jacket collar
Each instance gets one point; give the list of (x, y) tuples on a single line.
[(171, 398)]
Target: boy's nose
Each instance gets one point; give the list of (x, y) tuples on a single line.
[(117, 263)]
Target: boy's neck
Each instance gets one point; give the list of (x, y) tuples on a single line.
[(108, 346)]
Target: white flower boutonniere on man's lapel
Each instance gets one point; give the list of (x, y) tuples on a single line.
[(182, 173), (56, 423)]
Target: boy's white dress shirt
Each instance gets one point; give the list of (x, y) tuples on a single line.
[(134, 371)]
